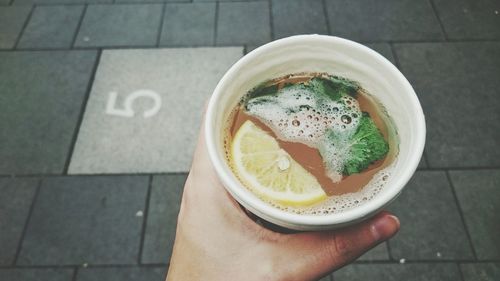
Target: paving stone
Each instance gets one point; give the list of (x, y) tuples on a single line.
[(457, 84), (470, 19), (15, 202), (188, 24), (91, 220), (481, 271), (111, 141), (11, 23), (4, 2), (378, 253), (120, 25), (384, 49), (372, 20), (30, 2), (326, 278), (51, 27), (431, 227), (149, 1), (397, 272), (478, 193), (163, 209), (41, 100), (36, 274), (122, 274), (291, 17), (243, 23)]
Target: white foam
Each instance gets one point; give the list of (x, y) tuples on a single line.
[(299, 115), (340, 203)]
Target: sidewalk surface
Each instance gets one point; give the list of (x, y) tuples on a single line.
[(90, 189)]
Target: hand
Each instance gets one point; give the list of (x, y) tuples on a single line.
[(216, 239)]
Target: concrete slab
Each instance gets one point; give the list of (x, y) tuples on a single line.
[(166, 89), (51, 27)]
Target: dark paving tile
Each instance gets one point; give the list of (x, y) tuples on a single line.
[(373, 20), (42, 95), (149, 1), (291, 17), (326, 278), (478, 194), (398, 272), (120, 25), (92, 220), (15, 202), (122, 274), (457, 84), (481, 271), (11, 23), (51, 27), (431, 227), (188, 24), (470, 19), (384, 49), (36, 274), (243, 23), (378, 253), (29, 2), (162, 218)]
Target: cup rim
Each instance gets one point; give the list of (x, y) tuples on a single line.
[(241, 193)]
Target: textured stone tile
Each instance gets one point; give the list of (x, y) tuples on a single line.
[(481, 271), (120, 25), (373, 20), (291, 17), (478, 193), (457, 84), (162, 218), (243, 23), (399, 272), (15, 202), (92, 220), (29, 2), (11, 23), (114, 142), (326, 278), (470, 19), (51, 27), (384, 49), (378, 253), (42, 95), (149, 1), (188, 24), (36, 274), (431, 228), (122, 274)]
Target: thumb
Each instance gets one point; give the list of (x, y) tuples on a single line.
[(319, 253)]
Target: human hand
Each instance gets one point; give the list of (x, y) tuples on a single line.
[(217, 240)]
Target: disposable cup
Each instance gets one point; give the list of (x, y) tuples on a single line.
[(336, 56)]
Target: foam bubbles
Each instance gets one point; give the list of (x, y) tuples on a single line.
[(341, 203), (298, 114)]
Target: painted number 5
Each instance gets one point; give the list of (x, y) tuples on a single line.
[(127, 110)]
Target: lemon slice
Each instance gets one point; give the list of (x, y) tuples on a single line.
[(269, 171)]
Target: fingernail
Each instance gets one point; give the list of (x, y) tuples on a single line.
[(385, 227)]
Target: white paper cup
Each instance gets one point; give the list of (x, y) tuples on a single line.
[(336, 56)]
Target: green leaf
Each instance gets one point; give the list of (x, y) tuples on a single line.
[(364, 147)]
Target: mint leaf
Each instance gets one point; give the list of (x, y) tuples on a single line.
[(364, 147)]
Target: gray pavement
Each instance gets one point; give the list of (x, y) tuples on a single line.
[(90, 187)]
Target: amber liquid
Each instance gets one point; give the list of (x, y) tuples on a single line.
[(310, 158)]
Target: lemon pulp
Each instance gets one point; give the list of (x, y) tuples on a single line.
[(270, 171)]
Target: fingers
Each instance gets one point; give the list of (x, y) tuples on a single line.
[(325, 252)]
